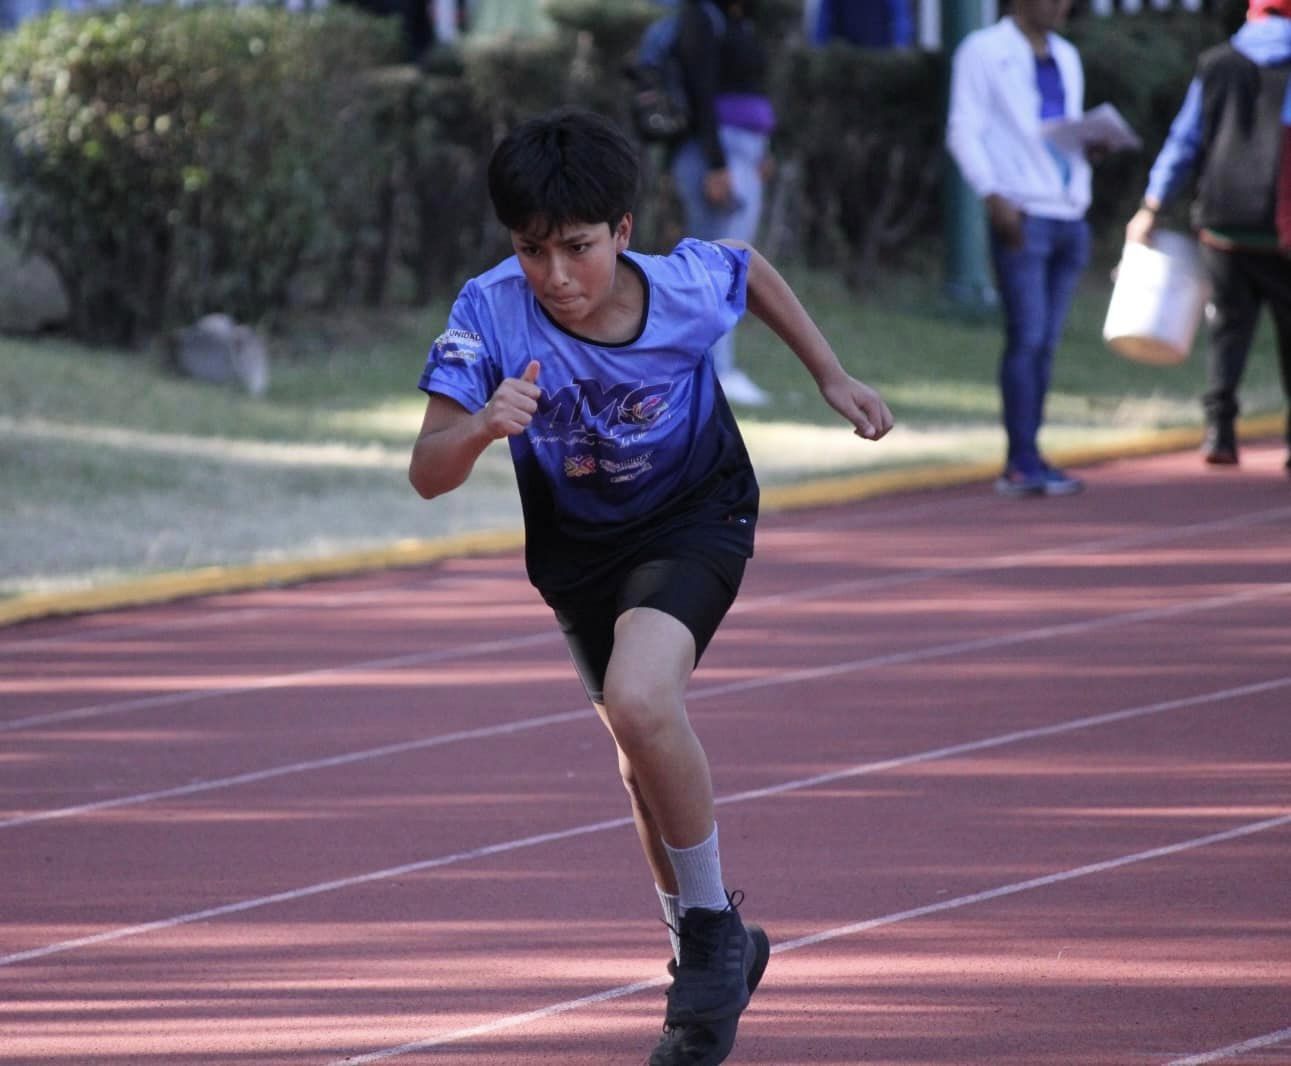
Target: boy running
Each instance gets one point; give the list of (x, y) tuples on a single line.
[(638, 496)]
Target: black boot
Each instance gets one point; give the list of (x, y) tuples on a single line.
[(1220, 445), (721, 964)]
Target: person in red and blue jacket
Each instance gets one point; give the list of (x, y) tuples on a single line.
[(1229, 140)]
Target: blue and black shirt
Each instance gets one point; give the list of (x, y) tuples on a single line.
[(631, 442)]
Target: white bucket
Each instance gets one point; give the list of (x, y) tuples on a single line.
[(1157, 302)]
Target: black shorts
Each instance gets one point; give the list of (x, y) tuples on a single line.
[(696, 589)]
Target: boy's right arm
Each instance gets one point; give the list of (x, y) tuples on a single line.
[(453, 438)]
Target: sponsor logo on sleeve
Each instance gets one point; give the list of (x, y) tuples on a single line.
[(458, 346)]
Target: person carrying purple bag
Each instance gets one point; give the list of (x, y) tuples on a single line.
[(720, 168)]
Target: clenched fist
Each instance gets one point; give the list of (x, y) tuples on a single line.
[(511, 407)]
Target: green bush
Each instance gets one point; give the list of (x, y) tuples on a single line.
[(861, 136), (443, 227), (175, 161)]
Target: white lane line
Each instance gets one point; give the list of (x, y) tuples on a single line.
[(773, 680), (741, 607), (1235, 833), (1233, 1050), (838, 932), (1017, 560), (825, 590), (1026, 636), (502, 847), (171, 699), (1037, 732), (828, 589), (314, 890), (194, 788), (211, 616)]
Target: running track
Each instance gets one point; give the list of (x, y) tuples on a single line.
[(1008, 782)]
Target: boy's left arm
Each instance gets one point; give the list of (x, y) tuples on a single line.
[(775, 303)]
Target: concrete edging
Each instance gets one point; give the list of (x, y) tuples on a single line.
[(821, 492)]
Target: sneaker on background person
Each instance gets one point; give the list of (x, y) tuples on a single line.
[(1015, 482), (1060, 483), (1046, 481), (1219, 448), (742, 389)]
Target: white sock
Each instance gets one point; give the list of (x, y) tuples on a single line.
[(699, 875), (672, 918)]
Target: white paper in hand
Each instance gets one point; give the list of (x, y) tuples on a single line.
[(1103, 127)]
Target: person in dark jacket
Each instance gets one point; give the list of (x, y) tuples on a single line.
[(719, 170), (1228, 136)]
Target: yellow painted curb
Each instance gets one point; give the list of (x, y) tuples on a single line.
[(207, 581), (210, 580), (825, 492), (828, 491)]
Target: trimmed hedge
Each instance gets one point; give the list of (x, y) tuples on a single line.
[(173, 161), (1142, 64), (861, 135)]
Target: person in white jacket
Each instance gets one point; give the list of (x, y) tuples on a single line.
[(1007, 80)]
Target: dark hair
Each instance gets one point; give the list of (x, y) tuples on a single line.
[(565, 167)]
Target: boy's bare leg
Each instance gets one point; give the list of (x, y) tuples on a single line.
[(647, 831), (666, 770), (719, 961)]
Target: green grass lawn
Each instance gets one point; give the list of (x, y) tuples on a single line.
[(937, 365), (112, 465)]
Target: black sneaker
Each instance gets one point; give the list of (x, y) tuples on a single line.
[(763, 944), (722, 962), (1219, 448)]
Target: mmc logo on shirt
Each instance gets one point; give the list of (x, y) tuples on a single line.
[(585, 404)]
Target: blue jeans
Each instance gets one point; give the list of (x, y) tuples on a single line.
[(744, 154), (1036, 283)]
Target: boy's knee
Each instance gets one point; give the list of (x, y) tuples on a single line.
[(638, 709)]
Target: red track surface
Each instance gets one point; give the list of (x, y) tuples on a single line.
[(1006, 781)]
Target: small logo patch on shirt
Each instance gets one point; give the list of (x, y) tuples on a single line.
[(580, 465), (643, 412), (457, 346), (629, 469)]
